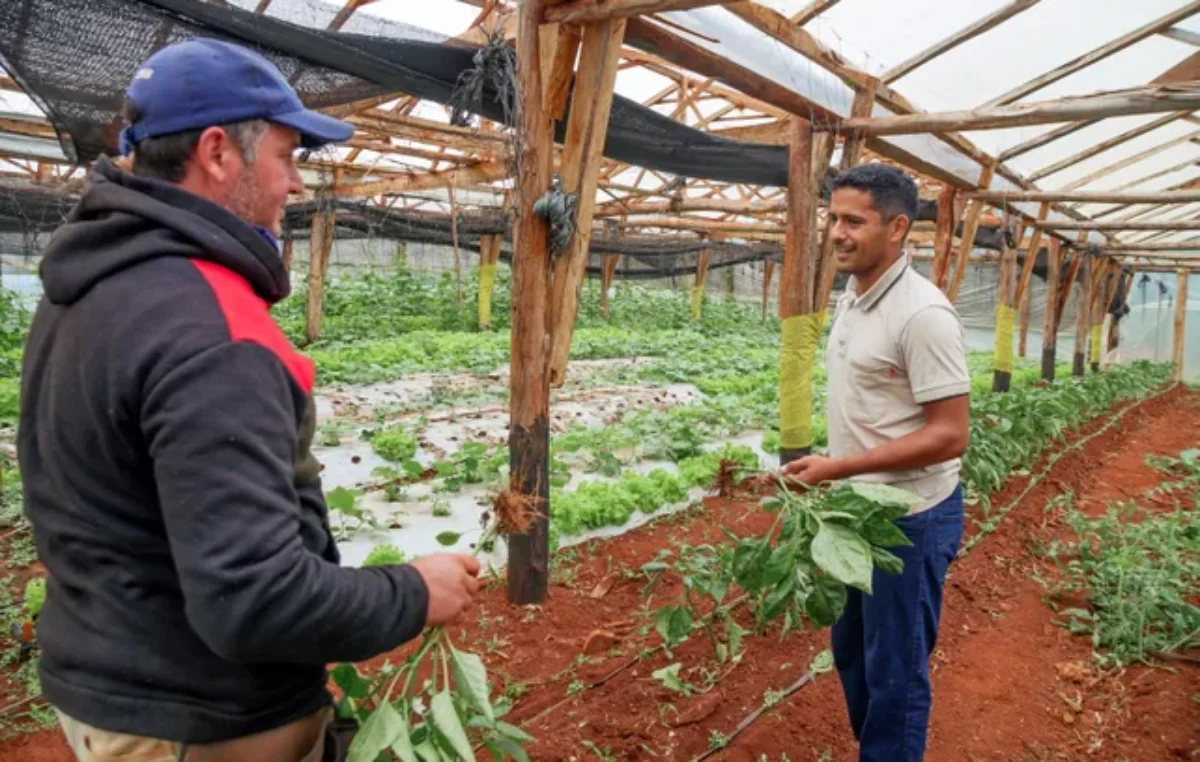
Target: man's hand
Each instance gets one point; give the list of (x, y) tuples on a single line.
[(452, 579), (813, 469)]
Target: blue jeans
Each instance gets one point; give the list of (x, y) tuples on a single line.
[(882, 642)]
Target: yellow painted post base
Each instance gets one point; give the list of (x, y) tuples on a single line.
[(797, 358)]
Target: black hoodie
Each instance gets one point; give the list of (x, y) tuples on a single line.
[(194, 588)]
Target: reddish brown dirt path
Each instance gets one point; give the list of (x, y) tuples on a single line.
[(1009, 684)]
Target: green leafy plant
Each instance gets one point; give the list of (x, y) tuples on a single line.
[(395, 444), (1138, 572), (822, 541), (385, 555), (444, 716)]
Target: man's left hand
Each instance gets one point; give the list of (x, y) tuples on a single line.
[(813, 469)]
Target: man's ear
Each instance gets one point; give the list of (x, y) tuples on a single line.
[(898, 227), (216, 157)]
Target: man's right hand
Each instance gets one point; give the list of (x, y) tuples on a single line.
[(453, 581)]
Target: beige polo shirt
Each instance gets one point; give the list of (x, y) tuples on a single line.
[(892, 349)]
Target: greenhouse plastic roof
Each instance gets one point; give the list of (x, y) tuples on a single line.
[(871, 36)]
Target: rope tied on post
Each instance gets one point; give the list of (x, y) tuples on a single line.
[(494, 67), (557, 207)]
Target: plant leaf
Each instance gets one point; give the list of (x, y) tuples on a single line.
[(778, 566), (821, 663), (669, 676), (885, 495), (403, 747), (352, 684), (445, 717), (843, 554), (381, 730), (344, 500), (427, 751), (884, 533), (511, 748), (470, 677), (513, 732), (449, 538), (887, 561), (825, 601)]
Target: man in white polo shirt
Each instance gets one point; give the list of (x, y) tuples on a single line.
[(898, 412)]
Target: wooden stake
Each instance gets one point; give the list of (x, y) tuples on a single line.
[(1085, 315), (1099, 308), (702, 262), (1006, 288), (768, 271), (1035, 240), (529, 432), (1023, 334), (289, 245), (799, 290), (944, 237), (970, 228), (1178, 345), (1050, 319), (583, 150), (795, 293), (454, 244), (489, 256), (320, 241), (608, 270)]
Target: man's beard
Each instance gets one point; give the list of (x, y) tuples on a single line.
[(244, 201)]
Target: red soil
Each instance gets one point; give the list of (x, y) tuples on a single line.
[(1009, 684)]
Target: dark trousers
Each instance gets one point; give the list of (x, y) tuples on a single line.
[(882, 643)]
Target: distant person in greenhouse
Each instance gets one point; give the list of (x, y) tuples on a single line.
[(898, 392), (195, 595)]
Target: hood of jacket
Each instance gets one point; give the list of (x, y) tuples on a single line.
[(123, 220)]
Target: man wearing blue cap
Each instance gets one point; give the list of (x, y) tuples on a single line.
[(195, 595)]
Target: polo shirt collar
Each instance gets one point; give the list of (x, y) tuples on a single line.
[(882, 286)]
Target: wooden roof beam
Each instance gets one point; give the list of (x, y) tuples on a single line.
[(812, 10), (475, 173), (1120, 225), (1179, 34), (1141, 100), (1045, 139), (953, 41), (1089, 197), (1099, 54), (587, 11), (1112, 142), (1129, 161)]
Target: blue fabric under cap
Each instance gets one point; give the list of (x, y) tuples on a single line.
[(202, 82)]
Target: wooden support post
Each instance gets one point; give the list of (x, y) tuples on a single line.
[(1006, 314), (768, 271), (489, 256), (529, 404), (583, 150), (730, 285), (1085, 315), (1050, 320), (702, 262), (970, 228), (1177, 347), (1023, 331), (320, 241), (864, 101), (607, 271), (289, 246), (458, 289), (1099, 289), (943, 239), (799, 290)]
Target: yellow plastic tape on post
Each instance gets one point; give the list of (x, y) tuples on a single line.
[(1006, 321), (797, 357), (1096, 331), (487, 280), (697, 299)]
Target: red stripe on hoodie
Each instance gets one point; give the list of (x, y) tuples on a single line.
[(250, 319)]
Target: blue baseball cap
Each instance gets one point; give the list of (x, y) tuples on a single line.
[(203, 82)]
